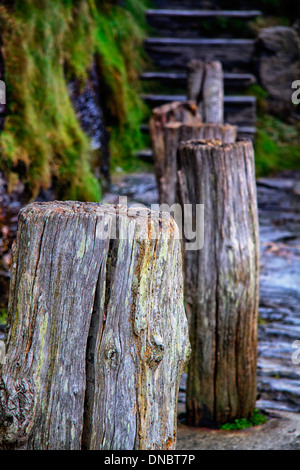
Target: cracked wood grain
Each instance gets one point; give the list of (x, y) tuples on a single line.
[(221, 280), (97, 337)]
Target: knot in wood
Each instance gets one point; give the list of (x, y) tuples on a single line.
[(112, 350), (155, 352)]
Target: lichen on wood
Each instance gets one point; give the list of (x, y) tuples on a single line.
[(97, 337)]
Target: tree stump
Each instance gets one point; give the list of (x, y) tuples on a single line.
[(221, 280), (173, 133), (98, 335)]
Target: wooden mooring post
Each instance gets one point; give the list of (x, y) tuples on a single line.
[(221, 280), (206, 87), (98, 336), (184, 112), (165, 158), (179, 121)]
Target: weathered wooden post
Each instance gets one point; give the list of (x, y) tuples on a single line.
[(173, 133), (185, 112), (213, 93), (206, 87), (98, 335), (195, 75), (221, 280)]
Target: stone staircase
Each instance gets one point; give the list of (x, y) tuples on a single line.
[(179, 34)]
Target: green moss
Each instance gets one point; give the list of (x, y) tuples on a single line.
[(42, 140), (277, 143), (3, 315), (45, 44), (277, 146), (119, 36), (255, 420)]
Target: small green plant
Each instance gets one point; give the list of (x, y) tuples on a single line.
[(277, 145), (3, 315), (255, 420), (262, 321)]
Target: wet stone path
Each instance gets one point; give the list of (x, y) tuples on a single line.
[(279, 326)]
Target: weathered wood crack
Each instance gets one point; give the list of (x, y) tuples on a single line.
[(221, 280), (98, 336)]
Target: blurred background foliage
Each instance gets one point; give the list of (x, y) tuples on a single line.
[(45, 45)]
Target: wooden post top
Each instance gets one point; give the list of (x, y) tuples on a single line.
[(216, 143), (149, 224)]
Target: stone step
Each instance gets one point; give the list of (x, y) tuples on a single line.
[(145, 154), (235, 54), (277, 330), (201, 23), (276, 406), (247, 132), (277, 369), (282, 390), (232, 81), (246, 14), (154, 100), (162, 99), (279, 350), (179, 4), (239, 110), (207, 4)]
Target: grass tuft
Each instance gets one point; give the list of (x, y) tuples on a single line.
[(255, 420)]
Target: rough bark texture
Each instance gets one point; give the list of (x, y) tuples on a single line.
[(213, 93), (174, 53), (97, 336), (221, 280), (173, 133)]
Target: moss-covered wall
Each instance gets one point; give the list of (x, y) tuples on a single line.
[(45, 44)]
